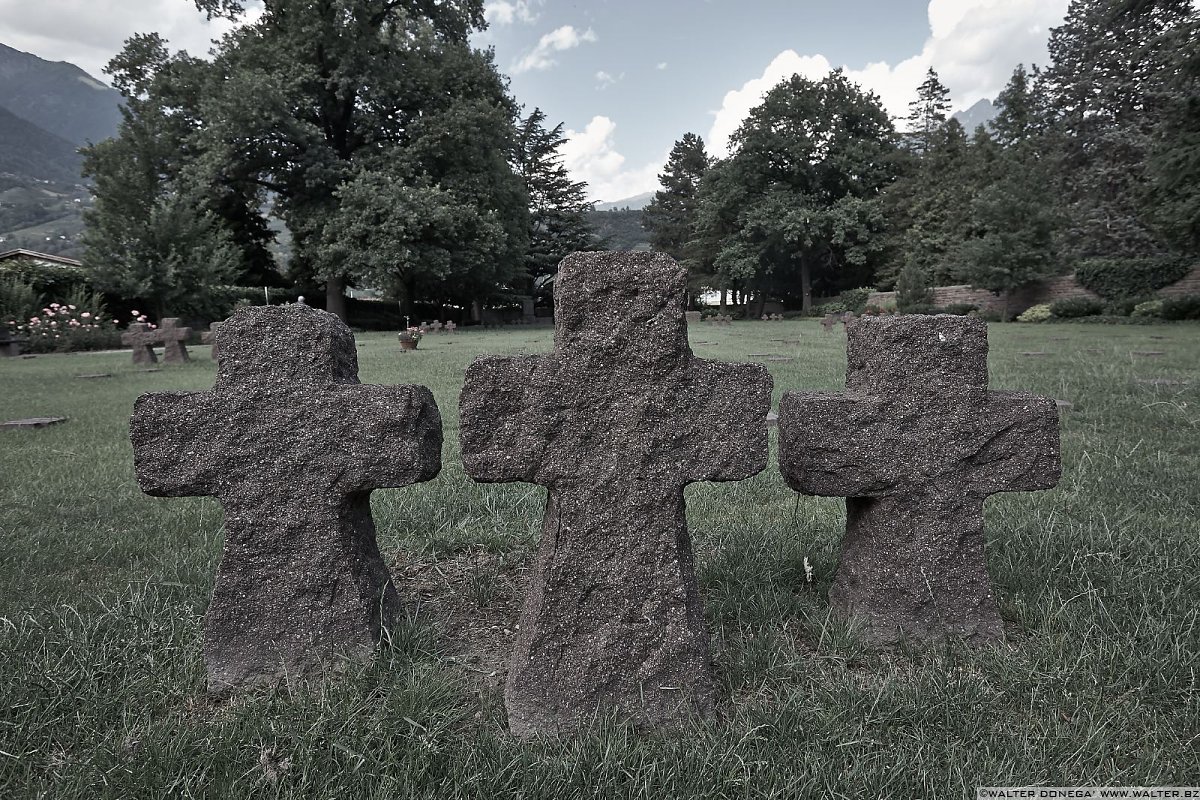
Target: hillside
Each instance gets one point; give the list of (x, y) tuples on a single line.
[(58, 97), (30, 151), (619, 230)]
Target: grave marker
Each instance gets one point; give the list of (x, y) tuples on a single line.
[(292, 445), (210, 336), (916, 444), (174, 339), (33, 422), (615, 423), (142, 339)]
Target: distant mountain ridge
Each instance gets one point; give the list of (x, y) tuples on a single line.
[(635, 203), (33, 152), (982, 113), (58, 97)]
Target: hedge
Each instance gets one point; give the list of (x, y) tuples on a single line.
[(1113, 278)]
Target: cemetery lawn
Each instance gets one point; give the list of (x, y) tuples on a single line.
[(102, 591)]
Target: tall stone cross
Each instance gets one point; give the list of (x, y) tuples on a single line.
[(615, 422), (174, 338), (292, 445), (915, 445), (142, 339)]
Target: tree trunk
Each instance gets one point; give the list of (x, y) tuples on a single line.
[(805, 286), (476, 311), (335, 297), (724, 299)]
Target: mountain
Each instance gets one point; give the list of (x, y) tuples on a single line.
[(619, 229), (30, 151), (982, 113), (57, 96), (635, 203)]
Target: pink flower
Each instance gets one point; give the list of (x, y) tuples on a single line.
[(53, 323), (135, 312), (71, 307), (86, 315), (34, 320), (141, 318), (55, 305)]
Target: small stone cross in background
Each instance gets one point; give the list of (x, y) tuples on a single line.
[(174, 338), (292, 445), (916, 444), (142, 339), (615, 423)]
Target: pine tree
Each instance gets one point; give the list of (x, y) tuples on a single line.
[(557, 205), (670, 217), (928, 113)]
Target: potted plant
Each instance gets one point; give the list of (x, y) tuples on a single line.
[(409, 338)]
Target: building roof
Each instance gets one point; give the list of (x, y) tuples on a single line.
[(31, 254)]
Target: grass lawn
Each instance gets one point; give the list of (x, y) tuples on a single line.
[(102, 591)]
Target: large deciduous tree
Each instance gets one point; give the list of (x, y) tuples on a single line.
[(797, 204), (382, 139)]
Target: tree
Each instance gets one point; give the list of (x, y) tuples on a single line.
[(153, 233), (670, 217), (1012, 233), (797, 204), (557, 205), (327, 108), (928, 113), (1108, 86)]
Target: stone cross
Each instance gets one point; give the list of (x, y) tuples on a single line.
[(210, 337), (142, 339), (292, 445), (450, 326), (916, 444), (174, 337), (615, 422)]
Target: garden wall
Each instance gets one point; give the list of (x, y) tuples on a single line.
[(1047, 292)]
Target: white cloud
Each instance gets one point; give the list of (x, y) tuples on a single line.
[(591, 156), (558, 40), (604, 80), (506, 12), (90, 32), (661, 65), (974, 45)]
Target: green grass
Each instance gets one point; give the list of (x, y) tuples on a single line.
[(102, 590)]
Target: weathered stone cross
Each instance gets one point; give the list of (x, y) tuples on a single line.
[(916, 445), (615, 422), (142, 340), (292, 445), (173, 338)]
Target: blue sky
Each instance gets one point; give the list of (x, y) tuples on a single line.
[(629, 77)]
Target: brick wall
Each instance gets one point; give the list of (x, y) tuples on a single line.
[(1032, 295)]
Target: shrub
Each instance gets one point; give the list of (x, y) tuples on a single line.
[(1184, 307), (54, 280), (960, 309), (921, 308), (1122, 306), (1038, 313), (1150, 308), (1071, 307), (68, 327), (912, 289), (855, 300), (18, 301), (1130, 277)]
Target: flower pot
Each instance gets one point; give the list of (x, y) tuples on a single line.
[(408, 344)]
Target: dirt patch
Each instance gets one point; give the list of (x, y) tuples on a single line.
[(474, 597)]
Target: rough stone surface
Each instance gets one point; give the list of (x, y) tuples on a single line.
[(142, 339), (615, 422), (916, 444), (174, 339), (292, 445)]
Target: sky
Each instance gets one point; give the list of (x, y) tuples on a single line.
[(627, 78)]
